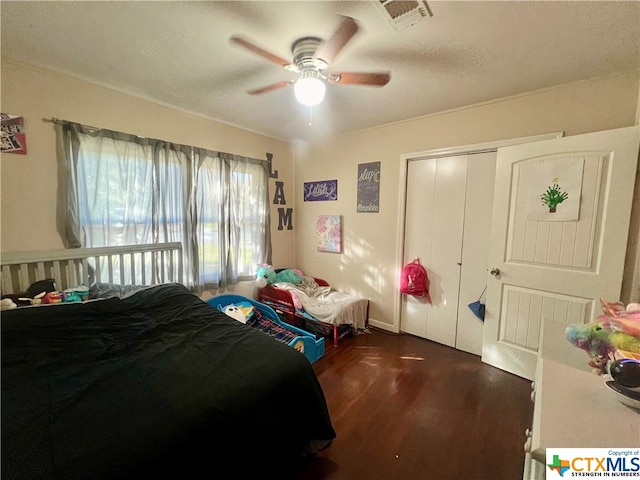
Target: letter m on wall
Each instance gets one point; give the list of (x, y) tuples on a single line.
[(284, 218)]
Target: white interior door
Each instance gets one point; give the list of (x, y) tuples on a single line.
[(549, 268)]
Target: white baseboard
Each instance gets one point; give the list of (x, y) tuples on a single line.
[(382, 325)]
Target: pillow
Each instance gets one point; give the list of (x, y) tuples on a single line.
[(109, 290), (241, 311)]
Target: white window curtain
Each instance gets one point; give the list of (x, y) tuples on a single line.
[(119, 189)]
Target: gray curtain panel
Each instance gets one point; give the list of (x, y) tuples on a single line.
[(120, 189)]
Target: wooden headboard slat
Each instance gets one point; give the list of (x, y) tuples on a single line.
[(57, 272), (7, 285), (23, 279)]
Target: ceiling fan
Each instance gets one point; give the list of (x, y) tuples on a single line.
[(312, 56)]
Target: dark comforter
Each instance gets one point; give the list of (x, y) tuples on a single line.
[(159, 382)]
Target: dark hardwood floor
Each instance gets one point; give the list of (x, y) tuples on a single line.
[(407, 408)]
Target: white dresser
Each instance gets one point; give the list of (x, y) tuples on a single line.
[(573, 408)]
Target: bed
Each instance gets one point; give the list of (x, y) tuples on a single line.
[(314, 305), (149, 380), (265, 319)]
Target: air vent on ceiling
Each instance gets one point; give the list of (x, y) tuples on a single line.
[(402, 14)]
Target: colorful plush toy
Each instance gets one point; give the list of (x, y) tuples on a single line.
[(621, 318), (599, 339), (267, 275), (604, 338)]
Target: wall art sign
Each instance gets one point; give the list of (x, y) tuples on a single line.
[(12, 134), (329, 228), (368, 187), (284, 214), (554, 190), (321, 191)]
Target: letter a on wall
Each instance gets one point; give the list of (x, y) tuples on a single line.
[(278, 196)]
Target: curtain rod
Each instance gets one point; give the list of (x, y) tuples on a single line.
[(268, 161), (56, 120)]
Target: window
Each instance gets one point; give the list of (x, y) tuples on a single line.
[(232, 219), (124, 190)]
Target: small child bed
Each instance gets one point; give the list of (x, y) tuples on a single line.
[(315, 306), (265, 318)]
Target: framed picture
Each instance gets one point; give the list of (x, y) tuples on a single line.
[(368, 187), (323, 190), (329, 228)]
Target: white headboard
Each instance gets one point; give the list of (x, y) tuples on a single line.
[(133, 264)]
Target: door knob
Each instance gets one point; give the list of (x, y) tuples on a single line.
[(495, 271)]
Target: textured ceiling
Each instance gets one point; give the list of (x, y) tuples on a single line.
[(179, 54)]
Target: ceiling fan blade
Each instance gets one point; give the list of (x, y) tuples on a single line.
[(353, 78), (259, 51), (269, 88), (328, 50)]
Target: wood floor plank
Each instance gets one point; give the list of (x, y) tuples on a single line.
[(406, 408)]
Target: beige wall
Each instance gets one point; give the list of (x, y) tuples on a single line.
[(28, 182), (368, 264)]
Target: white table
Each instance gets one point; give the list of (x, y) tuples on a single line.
[(573, 408)]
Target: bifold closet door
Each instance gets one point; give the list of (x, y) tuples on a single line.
[(434, 219), (481, 172)]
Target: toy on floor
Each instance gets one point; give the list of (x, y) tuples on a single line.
[(267, 275)]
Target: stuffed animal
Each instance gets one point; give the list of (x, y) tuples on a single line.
[(608, 336), (601, 338), (7, 304), (34, 294), (267, 275), (238, 312), (621, 318)]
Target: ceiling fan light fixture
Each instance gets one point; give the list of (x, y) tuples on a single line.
[(309, 89)]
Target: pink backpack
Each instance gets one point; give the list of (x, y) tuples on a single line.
[(414, 280)]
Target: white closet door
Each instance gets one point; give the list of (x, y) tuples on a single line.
[(433, 233), (481, 171)]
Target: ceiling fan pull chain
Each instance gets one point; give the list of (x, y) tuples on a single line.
[(310, 115)]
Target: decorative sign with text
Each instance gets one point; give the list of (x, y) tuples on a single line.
[(284, 214), (13, 136), (318, 191), (369, 187)]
